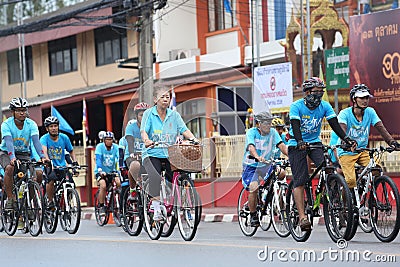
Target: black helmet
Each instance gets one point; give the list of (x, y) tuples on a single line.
[(313, 82), (18, 102), (51, 120), (359, 90)]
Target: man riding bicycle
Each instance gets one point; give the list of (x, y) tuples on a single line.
[(107, 157), (356, 122), (160, 123), (135, 147), (17, 132), (54, 145), (261, 142), (306, 115)]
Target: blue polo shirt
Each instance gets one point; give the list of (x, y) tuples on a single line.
[(161, 131), (310, 120)]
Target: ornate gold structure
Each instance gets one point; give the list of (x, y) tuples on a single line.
[(324, 20)]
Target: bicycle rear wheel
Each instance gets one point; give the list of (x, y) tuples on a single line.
[(338, 208), (116, 209), (244, 214), (72, 217), (278, 211), (132, 213), (50, 219), (101, 220), (385, 204), (153, 228), (187, 209), (293, 214), (9, 218), (34, 208)]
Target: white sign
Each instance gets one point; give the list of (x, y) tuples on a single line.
[(272, 87)]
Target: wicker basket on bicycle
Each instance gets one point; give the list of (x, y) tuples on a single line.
[(186, 157)]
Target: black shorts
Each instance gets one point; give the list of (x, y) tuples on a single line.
[(298, 162)]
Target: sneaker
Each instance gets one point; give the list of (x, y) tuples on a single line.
[(254, 221), (305, 225), (158, 215), (11, 204), (102, 211)]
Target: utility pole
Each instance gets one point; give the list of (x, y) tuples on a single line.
[(146, 53)]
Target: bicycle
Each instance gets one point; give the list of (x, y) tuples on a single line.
[(179, 200), (376, 199), (66, 200), (111, 203), (271, 206), (332, 193), (29, 201)]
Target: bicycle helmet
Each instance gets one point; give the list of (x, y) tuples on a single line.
[(51, 120), (18, 102), (359, 90), (101, 135), (263, 116), (141, 106), (108, 134), (313, 82), (278, 122)]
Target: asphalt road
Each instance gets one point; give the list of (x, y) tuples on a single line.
[(216, 244)]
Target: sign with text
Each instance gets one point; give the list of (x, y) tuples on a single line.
[(337, 68), (375, 61), (272, 87)]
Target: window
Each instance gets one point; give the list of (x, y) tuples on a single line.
[(193, 114), (63, 55), (219, 16), (14, 74), (232, 109), (111, 44)]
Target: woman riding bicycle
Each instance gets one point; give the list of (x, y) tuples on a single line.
[(107, 157), (261, 142), (160, 124)]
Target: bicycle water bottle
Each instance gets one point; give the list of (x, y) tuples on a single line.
[(21, 190)]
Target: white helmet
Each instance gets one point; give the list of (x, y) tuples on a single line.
[(18, 102)]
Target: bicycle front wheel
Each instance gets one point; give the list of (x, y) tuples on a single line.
[(244, 214), (338, 208), (100, 219), (385, 204), (187, 209), (34, 209), (72, 216), (132, 213), (9, 218), (278, 212), (293, 213)]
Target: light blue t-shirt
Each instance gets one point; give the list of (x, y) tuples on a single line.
[(21, 138), (310, 120), (133, 129), (108, 158), (334, 141), (277, 153), (265, 145), (357, 130), (56, 149), (161, 131)]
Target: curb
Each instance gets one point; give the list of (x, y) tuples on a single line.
[(208, 218)]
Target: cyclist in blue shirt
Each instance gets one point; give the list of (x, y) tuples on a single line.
[(135, 146), (17, 133), (306, 117), (261, 142), (107, 158), (160, 124), (279, 125), (54, 145), (356, 122)]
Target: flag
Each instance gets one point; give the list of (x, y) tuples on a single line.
[(64, 125), (84, 116), (325, 97), (227, 5), (172, 104)]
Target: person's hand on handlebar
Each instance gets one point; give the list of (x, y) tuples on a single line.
[(194, 141), (349, 144), (148, 143), (301, 145), (395, 145)]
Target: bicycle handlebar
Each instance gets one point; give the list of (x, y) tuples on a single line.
[(374, 150)]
